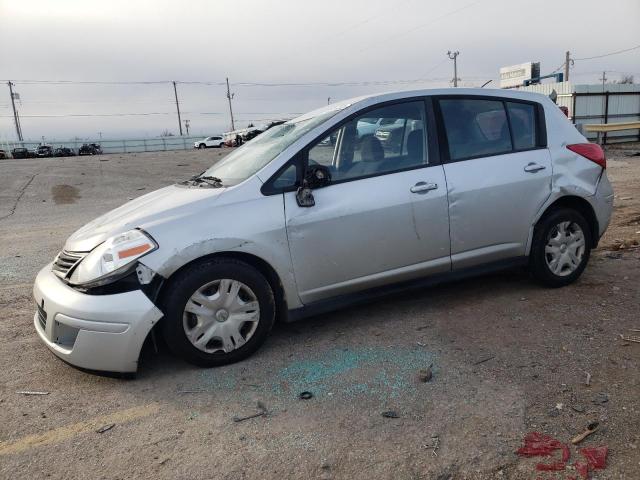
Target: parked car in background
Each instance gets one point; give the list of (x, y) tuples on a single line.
[(215, 141), (21, 152), (44, 151), (3, 154), (291, 225), (90, 149), (64, 152), (368, 126)]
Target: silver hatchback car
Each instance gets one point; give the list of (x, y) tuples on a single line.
[(354, 200)]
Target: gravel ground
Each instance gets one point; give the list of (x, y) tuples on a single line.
[(509, 357)]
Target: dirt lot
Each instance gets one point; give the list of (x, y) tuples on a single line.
[(509, 357)]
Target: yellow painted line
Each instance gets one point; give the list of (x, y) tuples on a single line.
[(58, 435)]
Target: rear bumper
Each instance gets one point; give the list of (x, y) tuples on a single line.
[(96, 332)]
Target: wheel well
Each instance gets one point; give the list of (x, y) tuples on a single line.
[(258, 263), (586, 210)]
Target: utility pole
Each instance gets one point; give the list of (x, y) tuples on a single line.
[(454, 56), (229, 97), (16, 119), (175, 92), (567, 64), (604, 79), (328, 100), (186, 125)]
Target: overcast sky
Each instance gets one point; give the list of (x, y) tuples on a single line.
[(287, 41)]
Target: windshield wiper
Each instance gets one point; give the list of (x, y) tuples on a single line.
[(213, 181), (209, 180)]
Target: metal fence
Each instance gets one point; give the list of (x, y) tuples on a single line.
[(597, 103), (155, 144), (607, 107)]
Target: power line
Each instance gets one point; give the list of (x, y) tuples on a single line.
[(250, 84), (423, 25), (609, 54)]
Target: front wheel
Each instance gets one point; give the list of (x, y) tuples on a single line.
[(201, 146), (218, 312), (561, 248)]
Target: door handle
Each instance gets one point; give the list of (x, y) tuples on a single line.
[(533, 167), (422, 187)]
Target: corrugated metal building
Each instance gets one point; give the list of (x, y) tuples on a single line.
[(597, 103)]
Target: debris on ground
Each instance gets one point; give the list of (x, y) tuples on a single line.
[(587, 380), (436, 445), (262, 411), (596, 456), (630, 338), (425, 374), (390, 414), (305, 395), (600, 399), (551, 467), (105, 428), (29, 392), (591, 428), (596, 460), (537, 444), (484, 359), (582, 468)]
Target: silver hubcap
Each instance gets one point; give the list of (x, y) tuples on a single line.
[(565, 248), (221, 316)]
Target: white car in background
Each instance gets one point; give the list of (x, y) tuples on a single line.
[(210, 142)]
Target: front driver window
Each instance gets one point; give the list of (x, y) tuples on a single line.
[(383, 140)]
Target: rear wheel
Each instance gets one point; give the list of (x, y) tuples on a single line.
[(561, 247), (218, 312)]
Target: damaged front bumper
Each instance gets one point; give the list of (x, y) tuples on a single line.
[(96, 332)]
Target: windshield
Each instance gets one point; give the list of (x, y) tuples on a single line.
[(255, 154)]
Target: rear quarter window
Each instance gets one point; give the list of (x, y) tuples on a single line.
[(523, 125)]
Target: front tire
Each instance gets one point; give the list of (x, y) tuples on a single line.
[(218, 312), (561, 248), (201, 146)]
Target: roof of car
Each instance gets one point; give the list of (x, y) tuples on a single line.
[(374, 98), (490, 92)]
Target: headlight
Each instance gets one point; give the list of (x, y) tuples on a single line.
[(109, 260)]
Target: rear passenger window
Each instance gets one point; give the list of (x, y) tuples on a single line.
[(475, 127), (523, 125)]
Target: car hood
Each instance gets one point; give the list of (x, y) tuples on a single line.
[(161, 205)]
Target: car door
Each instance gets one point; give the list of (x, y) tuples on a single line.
[(498, 172), (383, 217)]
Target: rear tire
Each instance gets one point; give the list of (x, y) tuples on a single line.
[(203, 338), (560, 248)]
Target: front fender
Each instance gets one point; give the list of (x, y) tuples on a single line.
[(255, 227)]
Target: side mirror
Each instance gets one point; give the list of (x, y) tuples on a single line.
[(316, 176)]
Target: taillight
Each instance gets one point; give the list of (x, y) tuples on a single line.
[(590, 151)]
